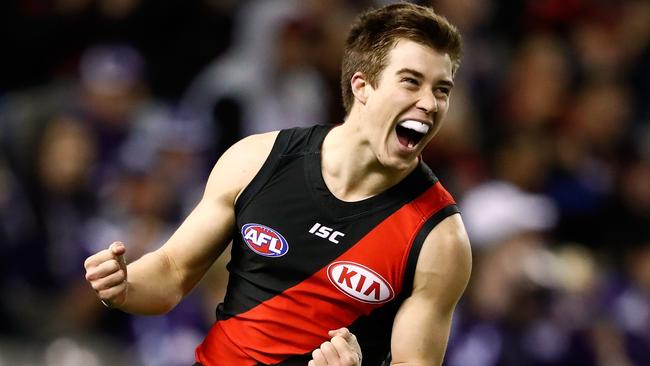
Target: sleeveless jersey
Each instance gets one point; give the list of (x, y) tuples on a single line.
[(304, 262)]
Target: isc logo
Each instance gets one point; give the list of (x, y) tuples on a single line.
[(264, 241), (360, 282), (326, 232)]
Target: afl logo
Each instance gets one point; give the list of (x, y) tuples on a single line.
[(360, 282), (264, 241)]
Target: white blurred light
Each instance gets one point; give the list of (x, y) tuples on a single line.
[(66, 352)]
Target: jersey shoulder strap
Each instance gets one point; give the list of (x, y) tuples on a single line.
[(289, 142)]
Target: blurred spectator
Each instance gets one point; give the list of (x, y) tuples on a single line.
[(631, 305), (19, 248), (496, 211), (66, 155), (590, 145), (532, 100), (112, 113), (265, 76)]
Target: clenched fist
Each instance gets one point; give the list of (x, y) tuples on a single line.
[(342, 350), (106, 272)]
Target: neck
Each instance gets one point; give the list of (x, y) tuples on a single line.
[(350, 167)]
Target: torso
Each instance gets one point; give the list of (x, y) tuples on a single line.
[(304, 262)]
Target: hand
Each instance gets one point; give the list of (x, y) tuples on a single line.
[(342, 350), (106, 272)]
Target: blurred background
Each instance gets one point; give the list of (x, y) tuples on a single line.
[(112, 113)]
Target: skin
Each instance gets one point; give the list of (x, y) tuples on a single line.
[(341, 350), (414, 85)]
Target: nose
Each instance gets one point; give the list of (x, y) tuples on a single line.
[(427, 102)]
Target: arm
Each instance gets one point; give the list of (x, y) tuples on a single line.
[(159, 280), (422, 324)]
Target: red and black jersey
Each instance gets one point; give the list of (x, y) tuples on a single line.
[(304, 262)]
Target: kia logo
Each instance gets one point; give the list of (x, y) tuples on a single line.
[(360, 282)]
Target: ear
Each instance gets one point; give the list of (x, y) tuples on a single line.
[(360, 87)]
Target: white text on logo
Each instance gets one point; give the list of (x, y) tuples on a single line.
[(326, 232), (264, 241), (260, 239), (359, 282)]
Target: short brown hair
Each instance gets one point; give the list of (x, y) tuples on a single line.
[(375, 32)]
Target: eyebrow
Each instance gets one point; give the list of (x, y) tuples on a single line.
[(420, 75)]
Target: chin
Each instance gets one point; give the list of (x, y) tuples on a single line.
[(399, 163)]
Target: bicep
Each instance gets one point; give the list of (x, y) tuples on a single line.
[(206, 232), (199, 241), (422, 324)]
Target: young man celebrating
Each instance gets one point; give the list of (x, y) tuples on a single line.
[(342, 237)]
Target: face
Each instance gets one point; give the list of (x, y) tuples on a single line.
[(405, 110)]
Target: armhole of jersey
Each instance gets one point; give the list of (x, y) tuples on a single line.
[(267, 169), (418, 242)]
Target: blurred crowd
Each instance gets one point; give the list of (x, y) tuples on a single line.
[(112, 114)]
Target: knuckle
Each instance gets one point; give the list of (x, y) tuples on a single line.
[(113, 283), (118, 282), (110, 293), (339, 341), (120, 277), (101, 285), (107, 267), (112, 280), (118, 289), (350, 359), (104, 294), (114, 265)]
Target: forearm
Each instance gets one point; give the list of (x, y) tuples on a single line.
[(153, 285), (157, 282)]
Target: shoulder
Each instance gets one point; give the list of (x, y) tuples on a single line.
[(251, 149), (239, 164), (445, 262)]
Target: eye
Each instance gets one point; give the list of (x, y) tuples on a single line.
[(442, 92), (411, 81)]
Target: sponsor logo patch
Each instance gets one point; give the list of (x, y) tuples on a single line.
[(326, 232), (264, 241), (360, 282)]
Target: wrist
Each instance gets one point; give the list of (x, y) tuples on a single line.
[(106, 304)]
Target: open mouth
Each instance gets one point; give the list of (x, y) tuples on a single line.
[(411, 132)]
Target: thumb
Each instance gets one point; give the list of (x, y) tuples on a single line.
[(118, 249), (341, 332)]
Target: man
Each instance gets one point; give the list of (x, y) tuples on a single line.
[(341, 229)]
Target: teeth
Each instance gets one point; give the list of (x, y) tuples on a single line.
[(411, 144), (415, 126)]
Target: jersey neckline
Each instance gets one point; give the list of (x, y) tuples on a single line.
[(404, 191)]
